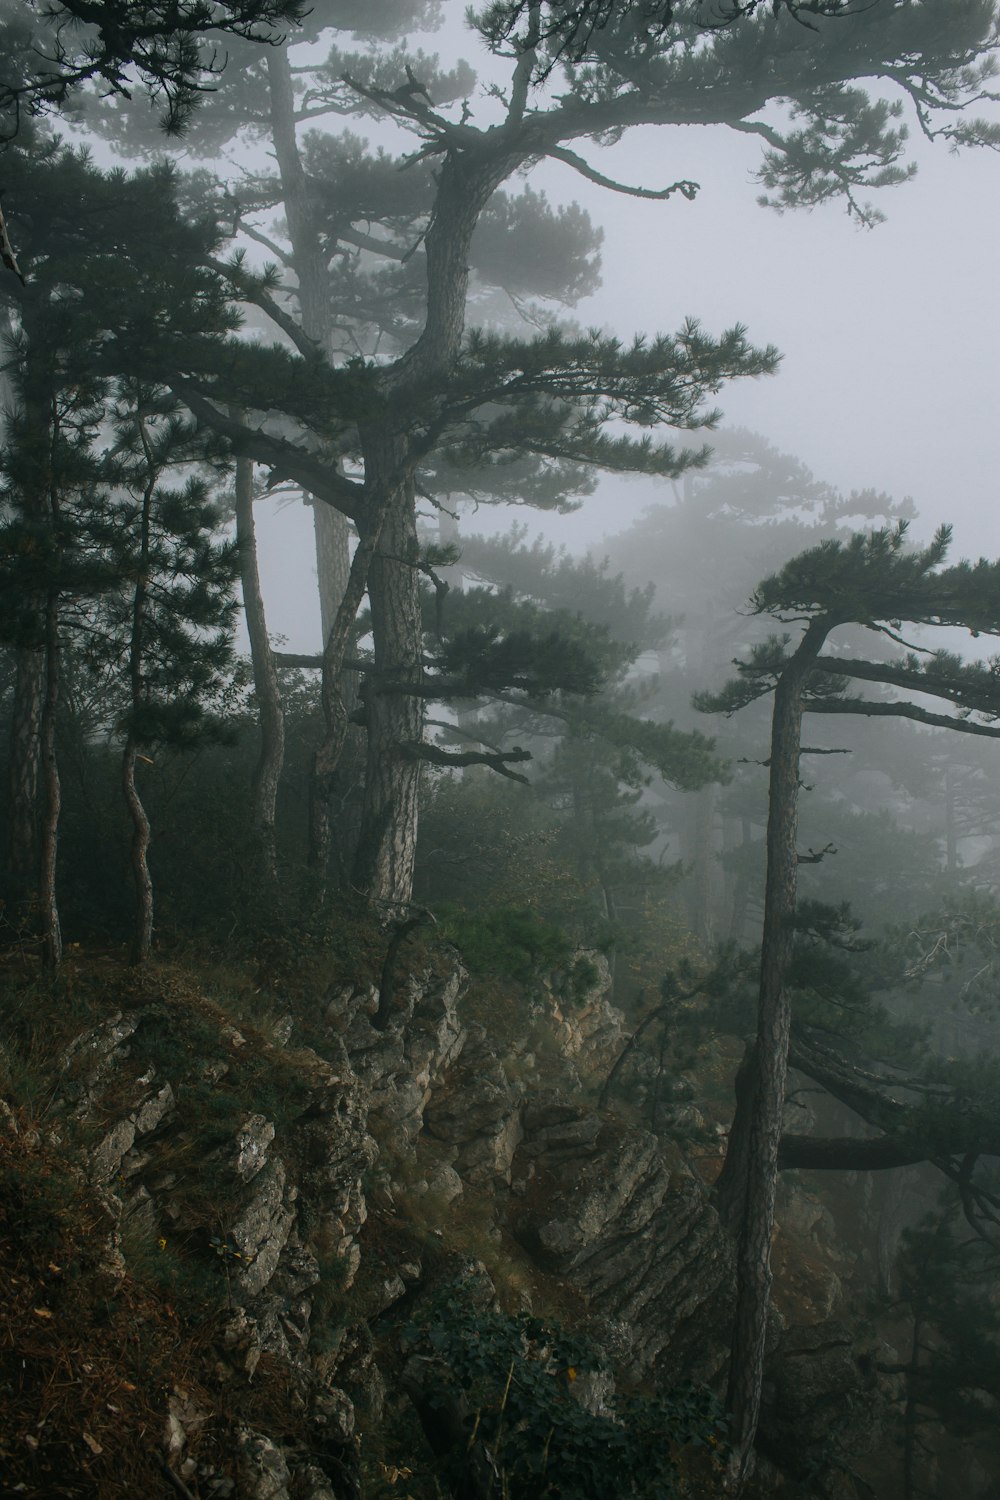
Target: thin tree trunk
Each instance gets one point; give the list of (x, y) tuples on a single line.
[(142, 930), (331, 531), (333, 561), (747, 1185), (49, 839), (333, 567), (910, 1414), (25, 754), (271, 757)]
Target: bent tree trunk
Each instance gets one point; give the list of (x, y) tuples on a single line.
[(387, 842), (267, 771), (747, 1185)]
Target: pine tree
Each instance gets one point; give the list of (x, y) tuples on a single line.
[(167, 49), (876, 582), (98, 296), (164, 624), (366, 435)]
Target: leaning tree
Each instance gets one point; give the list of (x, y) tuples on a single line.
[(877, 582)]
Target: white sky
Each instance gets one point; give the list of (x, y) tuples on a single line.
[(891, 336)]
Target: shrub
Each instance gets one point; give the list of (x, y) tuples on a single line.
[(517, 1381)]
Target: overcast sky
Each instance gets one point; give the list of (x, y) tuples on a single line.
[(891, 336)]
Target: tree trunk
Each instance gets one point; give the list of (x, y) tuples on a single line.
[(142, 930), (384, 862), (25, 751), (336, 716), (331, 531), (387, 842), (384, 858), (333, 562), (747, 1188), (49, 840), (271, 757)]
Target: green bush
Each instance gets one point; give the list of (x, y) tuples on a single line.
[(510, 941), (517, 1380)]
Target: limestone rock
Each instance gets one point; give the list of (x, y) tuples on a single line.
[(252, 1144), (92, 1055), (263, 1472), (155, 1110), (262, 1229), (643, 1245), (107, 1156), (477, 1109)]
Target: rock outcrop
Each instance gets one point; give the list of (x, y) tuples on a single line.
[(291, 1189)]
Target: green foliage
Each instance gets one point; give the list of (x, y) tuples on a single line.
[(514, 942), (521, 1385), (51, 55), (556, 394), (947, 1279)]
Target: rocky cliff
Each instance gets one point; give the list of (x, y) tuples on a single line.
[(222, 1212)]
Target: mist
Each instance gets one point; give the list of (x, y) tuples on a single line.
[(499, 893)]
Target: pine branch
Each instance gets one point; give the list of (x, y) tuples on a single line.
[(685, 186), (900, 711), (252, 289), (287, 459), (500, 762)]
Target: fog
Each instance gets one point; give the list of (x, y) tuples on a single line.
[(574, 859), (890, 336)]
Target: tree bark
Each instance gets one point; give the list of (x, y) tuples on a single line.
[(25, 754), (49, 838), (336, 714), (747, 1187), (384, 862), (142, 929), (271, 757)]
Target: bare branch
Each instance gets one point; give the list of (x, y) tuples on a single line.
[(685, 187), (500, 762)]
